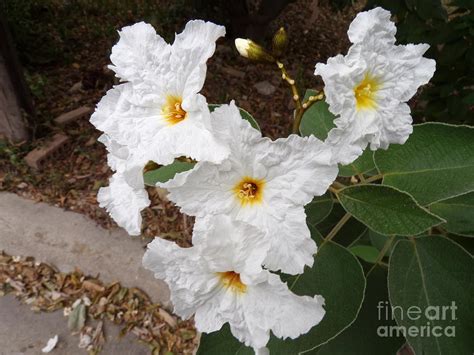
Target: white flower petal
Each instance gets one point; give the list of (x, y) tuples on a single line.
[(240, 246), (375, 22), (137, 52), (125, 198)]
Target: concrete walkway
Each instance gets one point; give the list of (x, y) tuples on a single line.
[(67, 240), (24, 332)]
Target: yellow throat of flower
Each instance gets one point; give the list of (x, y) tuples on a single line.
[(231, 280), (172, 110), (365, 92), (249, 191)]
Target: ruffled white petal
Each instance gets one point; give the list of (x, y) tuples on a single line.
[(138, 52), (286, 314), (375, 22), (190, 51), (125, 198), (241, 247)]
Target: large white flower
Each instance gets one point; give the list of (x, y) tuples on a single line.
[(220, 282), (158, 111), (157, 114), (264, 183), (369, 87)]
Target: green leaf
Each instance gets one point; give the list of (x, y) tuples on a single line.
[(362, 337), (166, 173), (244, 114), (432, 274), (318, 209), (386, 210), (343, 292), (317, 120), (365, 252), (362, 165), (458, 213), (436, 163)]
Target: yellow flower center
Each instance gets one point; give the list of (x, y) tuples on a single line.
[(172, 110), (249, 191), (231, 280), (365, 92)]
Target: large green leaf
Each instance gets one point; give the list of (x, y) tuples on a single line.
[(458, 213), (386, 210), (337, 276), (244, 114), (318, 209), (436, 163), (317, 120), (362, 165), (434, 275), (166, 173), (362, 337)]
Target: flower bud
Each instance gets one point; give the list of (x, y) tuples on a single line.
[(280, 42), (251, 50)]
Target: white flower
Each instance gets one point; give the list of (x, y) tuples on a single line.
[(264, 183), (157, 114), (158, 111), (219, 282), (369, 87)]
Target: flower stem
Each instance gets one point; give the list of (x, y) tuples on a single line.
[(294, 90), (382, 253), (374, 178), (337, 227)]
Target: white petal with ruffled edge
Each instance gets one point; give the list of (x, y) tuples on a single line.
[(291, 172), (125, 198)]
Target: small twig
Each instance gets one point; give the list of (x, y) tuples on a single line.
[(333, 190), (285, 76), (337, 227), (382, 253), (374, 178), (311, 100)]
